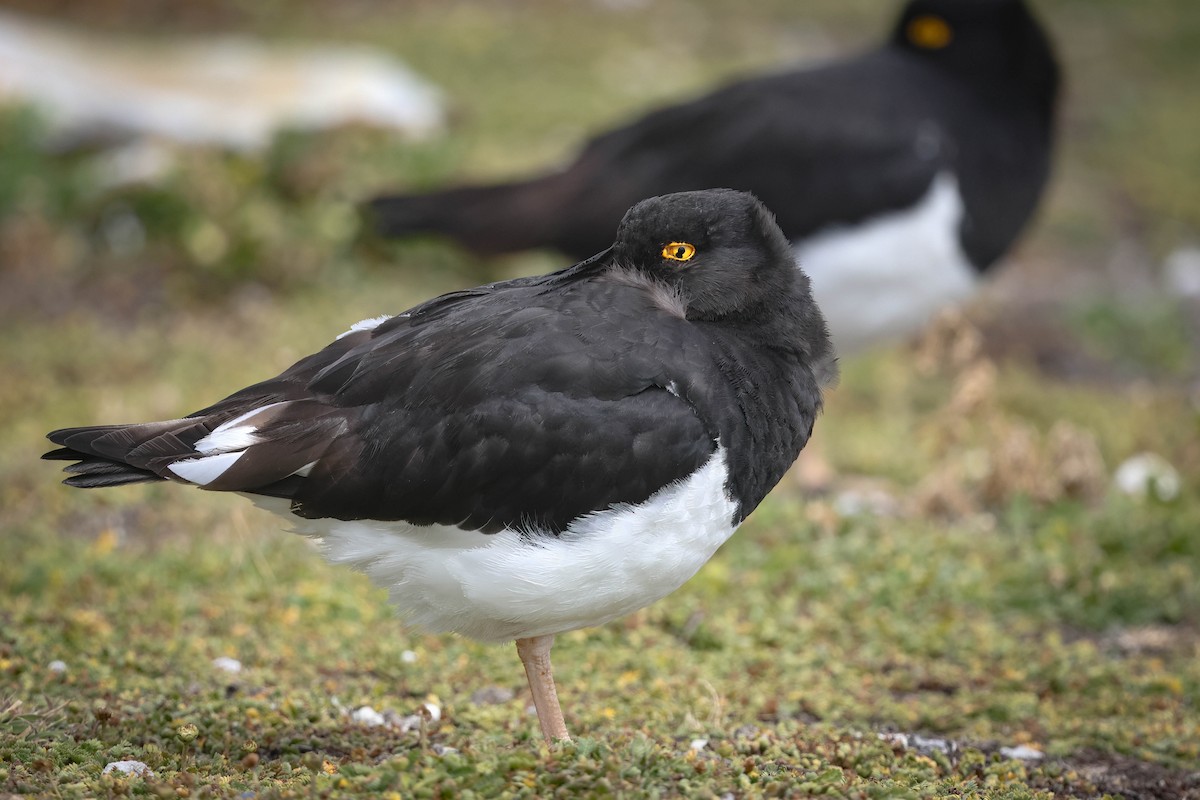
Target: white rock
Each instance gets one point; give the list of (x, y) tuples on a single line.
[(1022, 753), (227, 664), (411, 722), (129, 768), (1181, 271), (928, 745), (698, 744), (365, 715), (1144, 473), (408, 657), (917, 742), (226, 91), (57, 666)]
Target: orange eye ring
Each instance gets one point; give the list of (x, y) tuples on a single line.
[(679, 251), (929, 32)]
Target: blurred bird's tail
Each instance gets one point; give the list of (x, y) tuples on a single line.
[(487, 220)]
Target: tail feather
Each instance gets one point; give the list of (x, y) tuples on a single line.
[(102, 453), (275, 444), (102, 474), (487, 220)]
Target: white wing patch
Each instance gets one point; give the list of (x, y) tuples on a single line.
[(234, 434), (222, 448), (304, 471), (366, 325), (205, 470)]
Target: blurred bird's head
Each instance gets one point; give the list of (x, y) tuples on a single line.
[(997, 43)]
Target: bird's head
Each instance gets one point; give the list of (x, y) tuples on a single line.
[(994, 41), (719, 250)]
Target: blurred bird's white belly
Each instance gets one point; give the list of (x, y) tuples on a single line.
[(502, 586), (887, 277)]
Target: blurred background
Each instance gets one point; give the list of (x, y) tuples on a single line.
[(518, 86)]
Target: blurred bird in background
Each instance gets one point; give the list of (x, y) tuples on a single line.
[(900, 175)]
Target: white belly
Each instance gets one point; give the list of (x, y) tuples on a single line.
[(888, 277), (496, 587)]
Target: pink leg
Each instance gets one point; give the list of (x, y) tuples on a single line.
[(535, 655)]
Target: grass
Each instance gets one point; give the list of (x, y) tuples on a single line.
[(1012, 599)]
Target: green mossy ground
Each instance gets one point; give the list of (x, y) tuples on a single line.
[(1007, 601)]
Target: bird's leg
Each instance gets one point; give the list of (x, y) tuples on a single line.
[(535, 655)]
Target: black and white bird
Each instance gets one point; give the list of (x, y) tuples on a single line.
[(899, 176), (532, 456)]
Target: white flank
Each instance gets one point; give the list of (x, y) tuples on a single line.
[(366, 325), (203, 471), (502, 586), (888, 276)]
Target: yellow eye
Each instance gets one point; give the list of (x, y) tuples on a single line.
[(679, 251), (929, 32)]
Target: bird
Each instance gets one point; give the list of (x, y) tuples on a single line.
[(531, 456), (901, 175)]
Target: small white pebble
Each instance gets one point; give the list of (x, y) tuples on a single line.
[(129, 768), (698, 745), (1181, 271), (928, 744), (1144, 473), (403, 724), (57, 666), (408, 657), (442, 750), (922, 744), (434, 710), (227, 664), (365, 715), (1022, 753)]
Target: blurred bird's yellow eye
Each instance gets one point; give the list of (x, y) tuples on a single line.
[(679, 251), (929, 32)]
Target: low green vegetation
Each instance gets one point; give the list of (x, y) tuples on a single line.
[(1004, 603)]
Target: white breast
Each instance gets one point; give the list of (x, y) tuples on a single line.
[(887, 277), (496, 587)]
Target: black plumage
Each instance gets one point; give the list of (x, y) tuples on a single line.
[(528, 403), (961, 87), (611, 424)]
